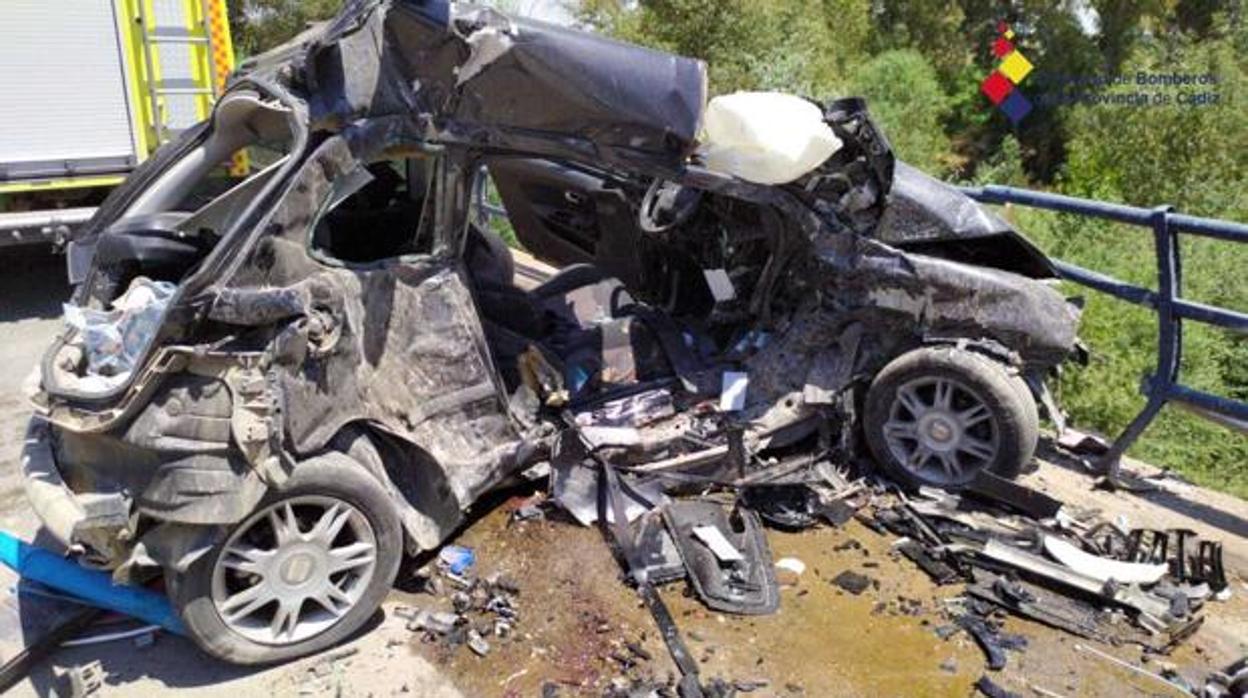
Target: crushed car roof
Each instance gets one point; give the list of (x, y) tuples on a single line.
[(471, 70)]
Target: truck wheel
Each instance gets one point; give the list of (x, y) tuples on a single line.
[(301, 573), (939, 415)]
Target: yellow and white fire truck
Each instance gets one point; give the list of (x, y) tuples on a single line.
[(88, 90)]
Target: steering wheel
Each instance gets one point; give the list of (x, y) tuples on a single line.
[(667, 205)]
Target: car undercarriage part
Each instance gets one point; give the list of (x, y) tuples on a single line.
[(1039, 604), (743, 582), (1152, 611)]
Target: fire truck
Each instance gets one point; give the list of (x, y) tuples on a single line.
[(88, 90)]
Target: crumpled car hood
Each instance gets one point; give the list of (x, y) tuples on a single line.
[(922, 208)]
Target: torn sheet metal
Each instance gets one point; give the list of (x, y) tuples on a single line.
[(486, 44), (576, 489)]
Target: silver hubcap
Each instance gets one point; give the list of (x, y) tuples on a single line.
[(941, 430), (294, 569)]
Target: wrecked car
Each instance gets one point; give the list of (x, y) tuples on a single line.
[(270, 389)]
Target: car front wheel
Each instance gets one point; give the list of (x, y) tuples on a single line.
[(938, 416), (301, 573)]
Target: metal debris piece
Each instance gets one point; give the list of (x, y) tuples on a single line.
[(1080, 442), (746, 585), (853, 582), (795, 506), (1153, 610), (938, 570), (987, 639), (1100, 568), (477, 644), (1014, 496)]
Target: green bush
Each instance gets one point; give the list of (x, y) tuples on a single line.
[(904, 96)]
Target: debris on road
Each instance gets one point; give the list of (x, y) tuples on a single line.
[(457, 560), (86, 680), (853, 582)]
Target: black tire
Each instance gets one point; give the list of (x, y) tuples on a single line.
[(1014, 421), (330, 475)]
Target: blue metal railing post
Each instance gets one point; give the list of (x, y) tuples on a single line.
[(1167, 301), (1160, 385)]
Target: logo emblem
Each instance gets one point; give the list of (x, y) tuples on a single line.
[(1001, 85)]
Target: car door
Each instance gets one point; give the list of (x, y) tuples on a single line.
[(383, 332), (568, 215)]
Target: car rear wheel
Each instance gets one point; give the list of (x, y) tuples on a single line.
[(940, 415), (301, 573)]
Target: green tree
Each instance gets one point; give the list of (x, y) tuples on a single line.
[(793, 45), (905, 97), (258, 25), (1194, 158)]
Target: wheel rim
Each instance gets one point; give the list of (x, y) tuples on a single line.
[(941, 430), (294, 569)]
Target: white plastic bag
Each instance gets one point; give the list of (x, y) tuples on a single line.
[(114, 339), (765, 137)]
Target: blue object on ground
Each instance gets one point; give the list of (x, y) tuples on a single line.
[(457, 558), (92, 586)]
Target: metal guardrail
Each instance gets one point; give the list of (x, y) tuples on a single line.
[(1172, 309)]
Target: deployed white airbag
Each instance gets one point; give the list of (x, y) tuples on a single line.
[(765, 137)]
